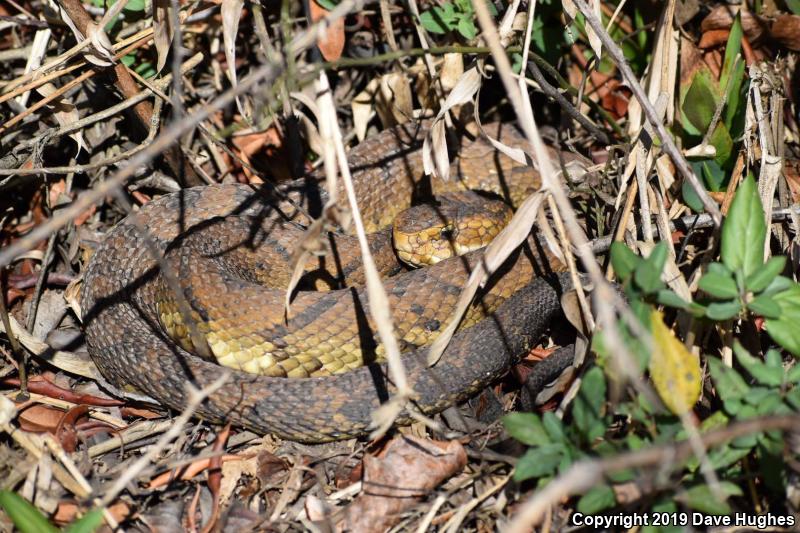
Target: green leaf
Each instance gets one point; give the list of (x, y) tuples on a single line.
[(732, 50), (719, 286), (766, 375), (700, 101), (761, 278), (597, 499), (723, 310), (135, 5), (648, 273), (793, 5), (794, 374), (713, 174), (779, 284), (764, 306), (701, 498), (538, 462), (729, 383), (526, 428), (433, 22), (744, 230), (623, 260), (690, 197), (588, 405), (669, 298), (784, 329), (88, 523), (466, 27), (719, 268), (723, 144), (726, 456), (554, 427), (26, 517)]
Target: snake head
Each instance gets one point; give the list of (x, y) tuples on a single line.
[(456, 224)]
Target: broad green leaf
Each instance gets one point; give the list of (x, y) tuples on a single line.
[(26, 517), (690, 197), (88, 523), (723, 144), (723, 310), (719, 268), (713, 174), (648, 273), (793, 5), (729, 384), (765, 375), (674, 370), (726, 456), (700, 101), (433, 22), (597, 499), (744, 230), (764, 306), (623, 260), (719, 286), (778, 285), (466, 27), (669, 298), (538, 462), (588, 405), (761, 278), (794, 374), (554, 427), (526, 428), (701, 498), (784, 329)]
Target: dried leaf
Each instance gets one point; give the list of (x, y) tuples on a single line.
[(674, 370), (64, 112), (786, 30), (434, 148), (331, 41), (162, 30), (407, 470), (231, 12)]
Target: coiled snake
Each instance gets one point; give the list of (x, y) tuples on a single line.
[(125, 315)]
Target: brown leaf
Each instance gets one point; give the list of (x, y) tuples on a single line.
[(162, 30), (786, 30), (40, 385), (40, 418), (330, 42), (713, 38), (721, 18), (406, 471)]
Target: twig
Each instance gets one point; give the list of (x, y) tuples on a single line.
[(169, 136), (649, 111), (553, 93), (196, 397)]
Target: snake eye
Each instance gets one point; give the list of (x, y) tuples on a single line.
[(446, 233)]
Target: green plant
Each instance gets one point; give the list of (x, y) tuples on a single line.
[(28, 519), (740, 285), (457, 15), (700, 100)]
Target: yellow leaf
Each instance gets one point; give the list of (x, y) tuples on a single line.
[(674, 370)]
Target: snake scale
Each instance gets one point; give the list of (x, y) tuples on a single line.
[(123, 287)]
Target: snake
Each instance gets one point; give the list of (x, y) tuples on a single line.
[(208, 242)]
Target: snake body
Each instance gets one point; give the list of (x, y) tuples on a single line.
[(123, 294)]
